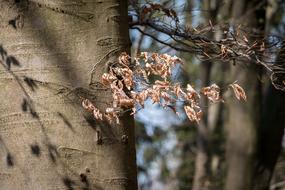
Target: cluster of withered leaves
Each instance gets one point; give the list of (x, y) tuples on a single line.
[(120, 79), (149, 9), (109, 115), (237, 43)]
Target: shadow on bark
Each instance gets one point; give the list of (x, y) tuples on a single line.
[(9, 157), (28, 106), (48, 40)]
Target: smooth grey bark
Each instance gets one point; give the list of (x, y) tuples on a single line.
[(47, 140)]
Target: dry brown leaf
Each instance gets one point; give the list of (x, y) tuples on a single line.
[(144, 55), (239, 92), (167, 98), (155, 95), (107, 79), (126, 103), (127, 76), (87, 104), (177, 90), (140, 97), (192, 114), (212, 92), (112, 116), (97, 114), (191, 94), (124, 59), (161, 85)]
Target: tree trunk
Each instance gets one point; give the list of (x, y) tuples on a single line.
[(271, 132), (241, 133), (203, 156), (270, 137), (47, 141), (244, 117), (202, 160)]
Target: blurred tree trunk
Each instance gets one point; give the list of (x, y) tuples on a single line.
[(244, 117), (271, 132), (273, 113), (47, 140), (270, 137), (203, 155), (202, 161)]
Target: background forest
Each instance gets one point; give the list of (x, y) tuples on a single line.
[(174, 153)]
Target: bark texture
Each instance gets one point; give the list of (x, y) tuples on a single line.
[(47, 141)]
